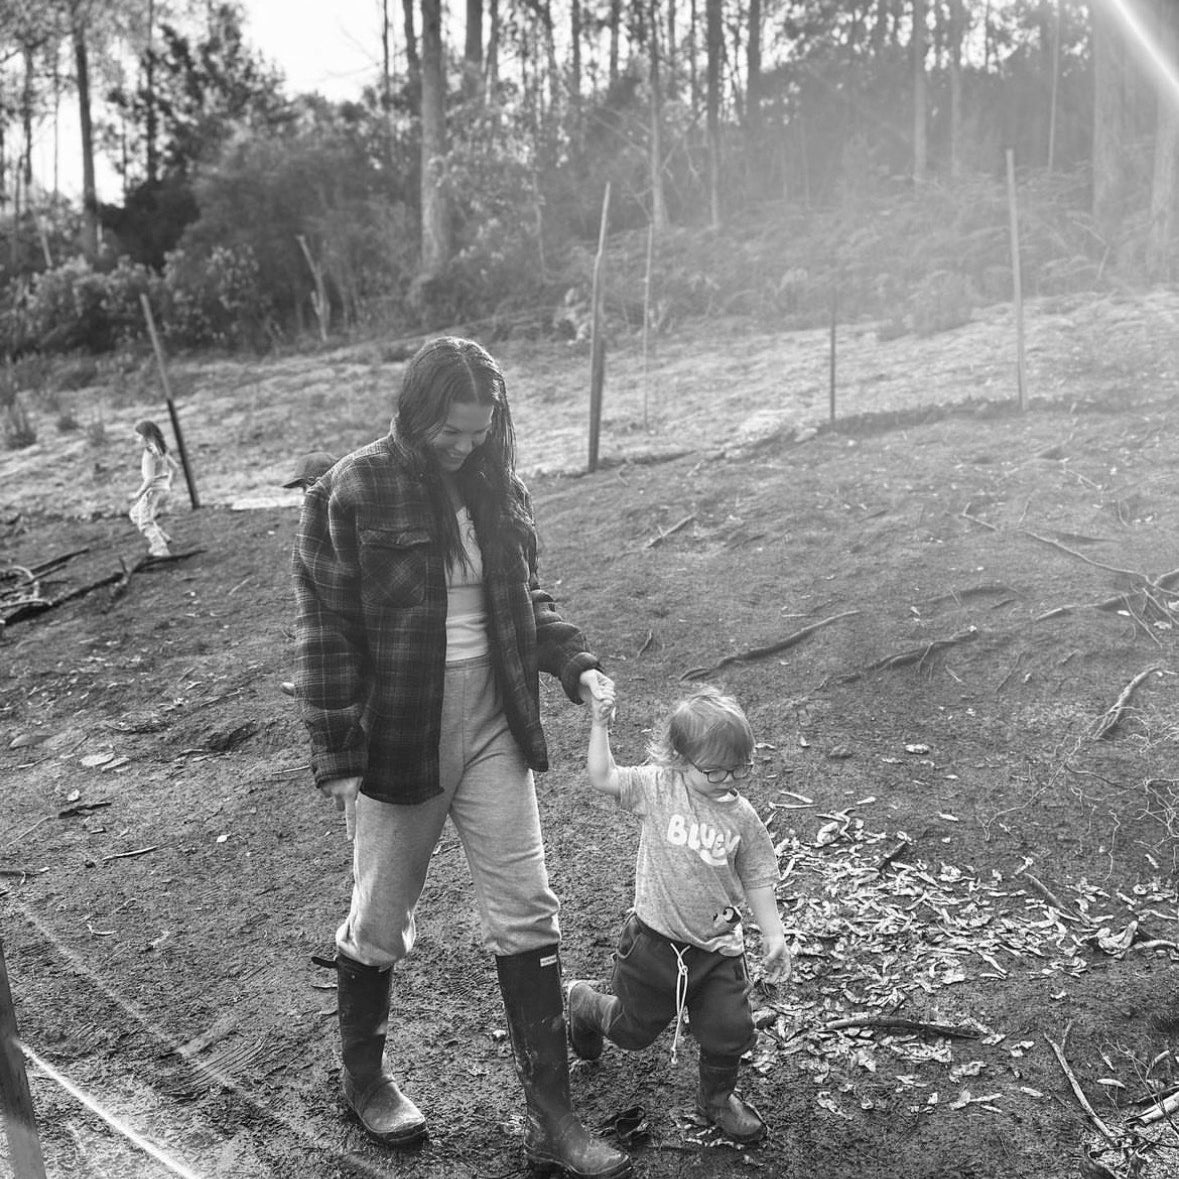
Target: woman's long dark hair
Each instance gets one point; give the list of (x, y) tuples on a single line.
[(445, 372)]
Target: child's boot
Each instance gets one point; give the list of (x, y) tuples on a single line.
[(156, 541), (590, 1016), (716, 1101)]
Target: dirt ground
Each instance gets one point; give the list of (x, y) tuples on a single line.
[(929, 610)]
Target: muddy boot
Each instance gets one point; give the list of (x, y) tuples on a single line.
[(554, 1140), (590, 1016), (371, 1092), (716, 1101)]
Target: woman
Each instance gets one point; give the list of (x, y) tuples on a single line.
[(421, 629)]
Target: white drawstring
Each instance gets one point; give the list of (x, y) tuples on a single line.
[(681, 995)]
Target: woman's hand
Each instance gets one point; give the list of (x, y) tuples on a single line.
[(595, 686), (597, 690), (344, 792)]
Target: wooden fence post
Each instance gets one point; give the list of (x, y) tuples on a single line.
[(24, 1146), (159, 351), (597, 339), (834, 324), (1017, 281)]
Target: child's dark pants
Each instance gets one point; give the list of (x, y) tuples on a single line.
[(646, 970)]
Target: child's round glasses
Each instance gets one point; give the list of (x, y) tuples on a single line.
[(717, 776)]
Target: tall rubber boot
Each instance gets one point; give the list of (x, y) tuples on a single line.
[(554, 1139), (591, 1015), (157, 542), (370, 1091), (716, 1101)]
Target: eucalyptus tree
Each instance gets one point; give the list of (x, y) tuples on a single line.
[(435, 207)]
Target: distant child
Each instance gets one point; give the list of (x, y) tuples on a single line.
[(153, 493), (703, 851), (308, 469)]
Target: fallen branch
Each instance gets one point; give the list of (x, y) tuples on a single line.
[(139, 851), (972, 591), (1048, 895), (1112, 717), (917, 654), (56, 562), (1103, 1129), (1158, 1111), (81, 808), (902, 846), (120, 586), (33, 609), (907, 1025), (1081, 556), (696, 673), (1154, 944), (662, 536), (965, 514)]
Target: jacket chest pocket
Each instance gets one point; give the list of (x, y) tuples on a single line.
[(394, 565)]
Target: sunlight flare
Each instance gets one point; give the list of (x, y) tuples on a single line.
[(1148, 44), (113, 1120)]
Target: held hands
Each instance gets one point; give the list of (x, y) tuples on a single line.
[(597, 690), (344, 792)]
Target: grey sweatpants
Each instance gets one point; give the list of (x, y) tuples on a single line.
[(488, 792)]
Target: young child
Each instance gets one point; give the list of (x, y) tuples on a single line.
[(702, 852), (151, 497), (308, 469)]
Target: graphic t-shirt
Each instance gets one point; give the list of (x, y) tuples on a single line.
[(697, 856)]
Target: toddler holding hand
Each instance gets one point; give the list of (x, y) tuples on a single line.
[(703, 852)]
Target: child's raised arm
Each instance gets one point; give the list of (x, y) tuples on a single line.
[(603, 773)]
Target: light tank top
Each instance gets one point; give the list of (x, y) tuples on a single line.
[(466, 615)]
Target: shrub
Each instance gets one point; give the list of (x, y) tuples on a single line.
[(75, 307), (19, 430), (214, 298)]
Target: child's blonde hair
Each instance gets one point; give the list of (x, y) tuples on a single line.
[(705, 728)]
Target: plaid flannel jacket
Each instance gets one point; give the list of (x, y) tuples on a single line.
[(370, 585)]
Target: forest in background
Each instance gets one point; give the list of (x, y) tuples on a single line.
[(764, 158)]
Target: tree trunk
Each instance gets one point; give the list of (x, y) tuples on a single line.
[(89, 234), (716, 49), (918, 46), (435, 209), (615, 23), (473, 50), (575, 128), (1160, 261), (150, 116), (669, 80), (658, 203), (386, 65), (1109, 120), (753, 90), (413, 64), (491, 68), (26, 119), (955, 34), (1055, 89)]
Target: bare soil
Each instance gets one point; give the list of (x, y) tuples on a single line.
[(960, 847)]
